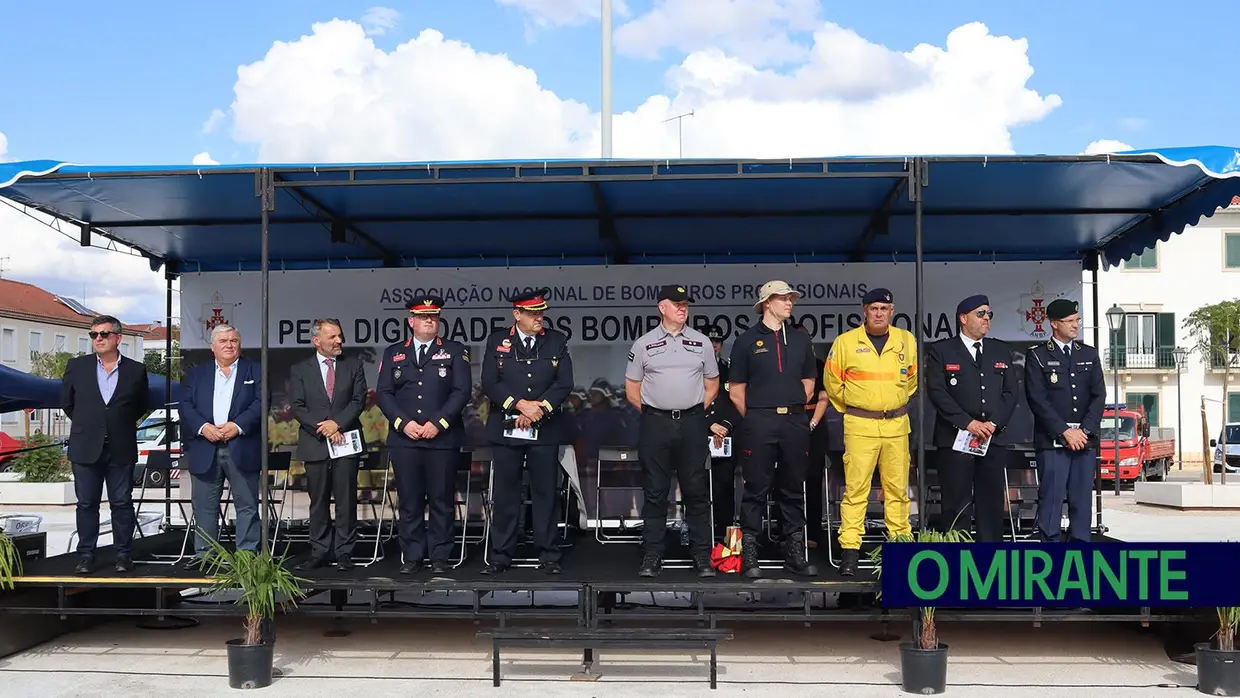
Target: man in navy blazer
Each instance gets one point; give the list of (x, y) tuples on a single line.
[(220, 410)]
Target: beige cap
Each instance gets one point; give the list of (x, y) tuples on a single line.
[(774, 288)]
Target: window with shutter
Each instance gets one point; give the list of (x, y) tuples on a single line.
[(1119, 345), (1231, 250), (1164, 339), (1233, 407)]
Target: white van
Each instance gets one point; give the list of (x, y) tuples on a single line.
[(1232, 432), (160, 429)]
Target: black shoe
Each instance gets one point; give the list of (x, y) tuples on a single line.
[(749, 556), (124, 563), (651, 566), (552, 567), (494, 569), (794, 557), (313, 564), (85, 566), (344, 563), (410, 568), (848, 566), (703, 566), (440, 567)]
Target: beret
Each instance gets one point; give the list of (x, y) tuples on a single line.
[(972, 303), (877, 295), (1061, 308)]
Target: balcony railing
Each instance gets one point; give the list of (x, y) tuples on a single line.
[(1220, 360), (1138, 358)]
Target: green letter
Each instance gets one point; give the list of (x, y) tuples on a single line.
[(1166, 575), (1073, 566), (944, 576), (1143, 578), (1038, 578), (970, 576), (1102, 567)]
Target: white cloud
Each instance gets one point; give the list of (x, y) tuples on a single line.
[(4, 147), (378, 20), (756, 31), (214, 120), (545, 13), (334, 96), (204, 158), (1104, 146)]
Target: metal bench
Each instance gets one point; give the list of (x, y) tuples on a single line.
[(591, 639)]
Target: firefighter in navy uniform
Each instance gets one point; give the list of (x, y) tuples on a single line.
[(422, 389), (1066, 389), (723, 420), (527, 375)]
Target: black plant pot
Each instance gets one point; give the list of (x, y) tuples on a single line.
[(1218, 672), (249, 666), (923, 671)]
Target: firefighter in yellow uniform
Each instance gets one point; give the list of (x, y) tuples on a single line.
[(870, 375)]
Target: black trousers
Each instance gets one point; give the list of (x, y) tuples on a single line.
[(425, 479), (727, 507), (327, 480), (815, 477), (677, 447), (89, 480), (507, 500), (765, 439), (973, 492)]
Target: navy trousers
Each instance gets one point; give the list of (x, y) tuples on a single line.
[(1066, 475), (425, 479)]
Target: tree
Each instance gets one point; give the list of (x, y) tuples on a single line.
[(1215, 330), (49, 364), (156, 364)]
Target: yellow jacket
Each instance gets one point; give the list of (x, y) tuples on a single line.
[(855, 375)]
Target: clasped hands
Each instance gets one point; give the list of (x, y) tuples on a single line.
[(982, 430), (717, 432), (1075, 439), (531, 412), (420, 430), (224, 432), (330, 429)]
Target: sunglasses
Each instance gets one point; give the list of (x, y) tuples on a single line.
[(985, 314), (105, 334)]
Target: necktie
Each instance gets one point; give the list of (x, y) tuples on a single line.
[(331, 377), (421, 354), (529, 344), (977, 351)]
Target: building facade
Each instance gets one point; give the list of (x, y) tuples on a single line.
[(1157, 290), (33, 320)]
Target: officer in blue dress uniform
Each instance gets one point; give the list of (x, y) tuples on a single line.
[(527, 375), (1066, 389), (422, 389)]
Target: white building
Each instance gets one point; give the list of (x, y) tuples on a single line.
[(34, 320), (1158, 289)]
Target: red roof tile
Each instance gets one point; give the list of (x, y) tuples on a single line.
[(29, 302)]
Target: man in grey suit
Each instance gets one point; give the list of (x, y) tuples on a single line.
[(328, 394)]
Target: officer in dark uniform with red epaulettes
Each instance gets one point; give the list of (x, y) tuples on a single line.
[(527, 375)]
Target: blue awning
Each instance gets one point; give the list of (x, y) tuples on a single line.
[(975, 208), (22, 391)]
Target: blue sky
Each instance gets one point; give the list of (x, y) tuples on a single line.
[(133, 82)]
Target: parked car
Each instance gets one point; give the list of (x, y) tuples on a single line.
[(160, 431), (1232, 432)]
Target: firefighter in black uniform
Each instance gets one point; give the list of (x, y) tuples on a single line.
[(1066, 390), (772, 378), (527, 375), (971, 382), (423, 386), (723, 419)]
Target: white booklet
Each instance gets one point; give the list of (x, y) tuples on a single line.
[(527, 434), (724, 450), (349, 446), (968, 442)]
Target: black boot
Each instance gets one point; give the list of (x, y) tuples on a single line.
[(794, 557), (848, 567), (749, 556)]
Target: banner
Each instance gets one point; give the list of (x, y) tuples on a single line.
[(1058, 575)]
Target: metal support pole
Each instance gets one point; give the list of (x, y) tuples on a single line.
[(1097, 318), (268, 195), (915, 191), (168, 376), (606, 107), (1115, 437), (1179, 415)]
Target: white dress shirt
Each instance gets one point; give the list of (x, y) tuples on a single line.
[(221, 400), (968, 345)]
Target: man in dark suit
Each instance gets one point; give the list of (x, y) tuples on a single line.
[(220, 411), (327, 395), (422, 389), (1067, 392), (105, 395), (527, 375), (971, 381)]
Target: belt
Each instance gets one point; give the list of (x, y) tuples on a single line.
[(875, 414), (786, 409), (674, 414)]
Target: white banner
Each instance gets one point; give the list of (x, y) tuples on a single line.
[(616, 304)]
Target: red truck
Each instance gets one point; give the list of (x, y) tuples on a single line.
[(1143, 450), (8, 444)]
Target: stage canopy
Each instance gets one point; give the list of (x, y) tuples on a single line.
[(1105, 207)]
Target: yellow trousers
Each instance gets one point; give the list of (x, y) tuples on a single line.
[(861, 455)]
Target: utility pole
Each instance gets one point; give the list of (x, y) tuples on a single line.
[(680, 133), (606, 79)]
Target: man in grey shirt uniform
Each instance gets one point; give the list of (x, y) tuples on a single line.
[(672, 376)]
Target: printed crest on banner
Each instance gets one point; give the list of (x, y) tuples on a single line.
[(217, 312), (1033, 319)]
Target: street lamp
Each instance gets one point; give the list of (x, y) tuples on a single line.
[(1115, 316), (1181, 358)]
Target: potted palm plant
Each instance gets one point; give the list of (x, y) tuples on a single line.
[(1218, 663), (10, 562), (923, 662), (261, 580)]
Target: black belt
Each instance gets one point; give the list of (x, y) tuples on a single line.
[(675, 414), (786, 409)]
